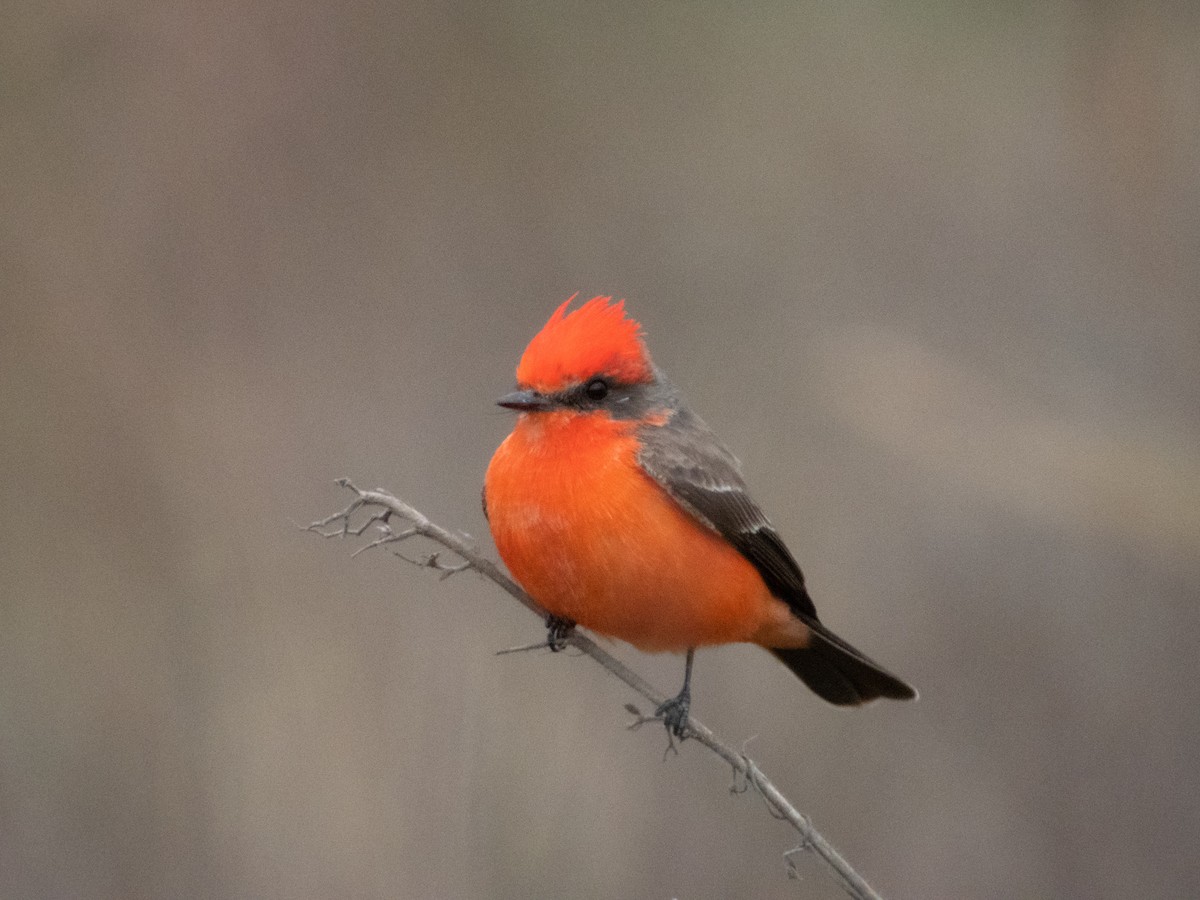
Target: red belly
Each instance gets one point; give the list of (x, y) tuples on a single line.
[(594, 539)]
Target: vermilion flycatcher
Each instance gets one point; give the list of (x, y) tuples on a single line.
[(617, 508)]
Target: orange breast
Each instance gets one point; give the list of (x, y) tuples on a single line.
[(594, 539)]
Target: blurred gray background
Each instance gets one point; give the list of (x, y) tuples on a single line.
[(933, 272)]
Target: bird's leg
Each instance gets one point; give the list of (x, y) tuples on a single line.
[(558, 630), (674, 712)]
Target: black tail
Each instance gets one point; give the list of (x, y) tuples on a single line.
[(839, 673)]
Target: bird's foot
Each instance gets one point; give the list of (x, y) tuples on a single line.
[(558, 630), (674, 714)]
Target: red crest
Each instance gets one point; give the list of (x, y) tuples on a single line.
[(596, 339)]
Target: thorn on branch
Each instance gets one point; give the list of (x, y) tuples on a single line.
[(389, 537), (741, 775), (754, 778), (741, 781), (381, 519), (793, 870), (343, 517), (432, 561), (524, 648), (638, 719), (540, 645)]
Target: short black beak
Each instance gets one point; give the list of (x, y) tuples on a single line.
[(524, 401)]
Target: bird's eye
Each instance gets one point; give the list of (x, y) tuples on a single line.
[(596, 389)]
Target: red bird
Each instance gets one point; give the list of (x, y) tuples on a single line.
[(616, 507)]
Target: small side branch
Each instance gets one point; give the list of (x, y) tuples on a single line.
[(382, 507)]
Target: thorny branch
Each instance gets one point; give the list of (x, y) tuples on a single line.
[(382, 507)]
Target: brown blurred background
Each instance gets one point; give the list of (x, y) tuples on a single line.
[(933, 273)]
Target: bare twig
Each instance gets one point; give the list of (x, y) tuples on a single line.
[(383, 506)]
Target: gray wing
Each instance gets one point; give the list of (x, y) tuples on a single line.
[(685, 457)]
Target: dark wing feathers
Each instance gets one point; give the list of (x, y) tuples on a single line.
[(779, 570), (685, 457)]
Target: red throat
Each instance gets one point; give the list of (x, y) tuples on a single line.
[(596, 339)]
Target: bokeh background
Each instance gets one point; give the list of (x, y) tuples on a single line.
[(932, 270)]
